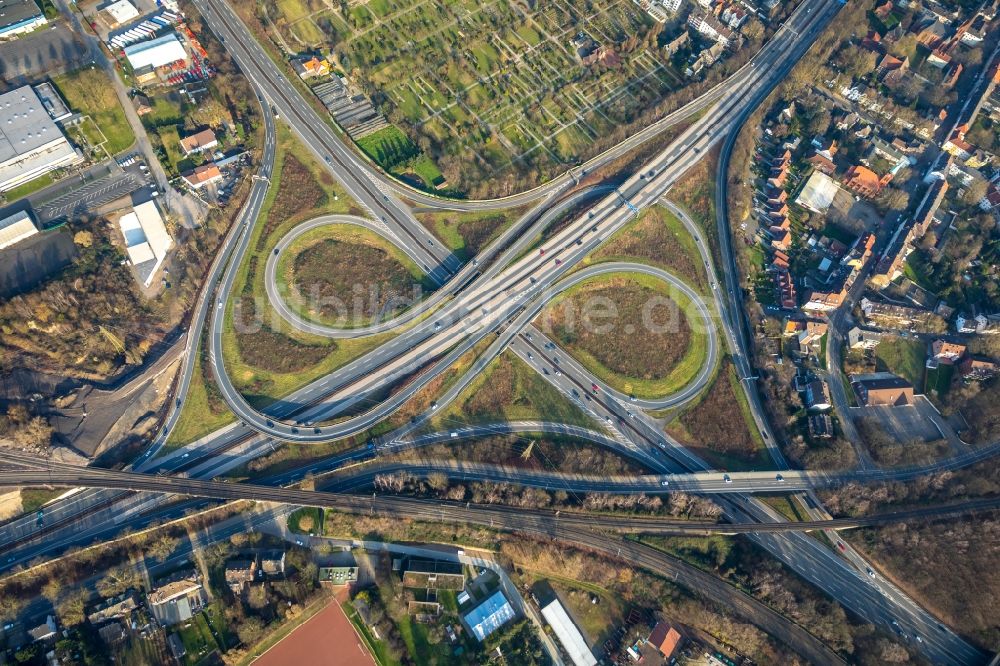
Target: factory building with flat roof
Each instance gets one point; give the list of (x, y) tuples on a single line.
[(31, 144), (18, 17), (146, 239), (155, 53)]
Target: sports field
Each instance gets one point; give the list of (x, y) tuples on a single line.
[(327, 639)]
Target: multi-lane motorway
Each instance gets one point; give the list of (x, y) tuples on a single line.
[(500, 292)]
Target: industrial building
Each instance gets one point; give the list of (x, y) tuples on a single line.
[(146, 239), (155, 53), (18, 17), (31, 144), (489, 616), (15, 229), (567, 633), (120, 11)]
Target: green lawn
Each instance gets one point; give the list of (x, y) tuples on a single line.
[(88, 91), (30, 187), (904, 357), (199, 416), (509, 390), (32, 499)]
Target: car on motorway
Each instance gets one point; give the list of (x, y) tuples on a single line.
[(558, 261), (607, 419), (556, 370), (541, 251), (664, 483), (841, 546), (870, 572), (917, 638), (579, 241), (727, 478), (779, 478), (631, 398), (434, 405), (531, 357), (595, 387)]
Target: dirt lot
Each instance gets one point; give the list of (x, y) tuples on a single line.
[(327, 639)]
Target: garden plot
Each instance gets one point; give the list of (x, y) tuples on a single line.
[(493, 79)]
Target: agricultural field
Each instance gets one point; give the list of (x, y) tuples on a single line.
[(494, 94)]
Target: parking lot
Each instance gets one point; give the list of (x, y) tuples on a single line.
[(91, 190), (51, 50), (912, 422)]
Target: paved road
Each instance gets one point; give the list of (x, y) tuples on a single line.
[(319, 138), (485, 304)]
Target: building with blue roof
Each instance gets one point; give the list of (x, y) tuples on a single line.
[(489, 616)]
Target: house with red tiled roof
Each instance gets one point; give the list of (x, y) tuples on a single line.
[(873, 42), (665, 639), (890, 69), (947, 353), (864, 181), (822, 163)]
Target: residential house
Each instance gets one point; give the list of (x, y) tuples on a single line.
[(113, 608), (311, 68), (822, 163), (177, 598), (665, 639), (979, 324), (946, 353), (882, 389), (272, 563), (786, 289), (203, 175), (820, 426), (199, 142), (892, 316), (817, 396), (978, 369), (957, 145), (142, 105), (811, 334), (710, 26), (858, 338), (825, 301), (239, 574), (890, 70), (44, 631)]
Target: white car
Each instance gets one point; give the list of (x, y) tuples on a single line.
[(664, 483)]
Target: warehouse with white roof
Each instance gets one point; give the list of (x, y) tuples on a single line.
[(146, 239), (567, 633), (16, 228), (120, 11), (31, 144), (156, 52)]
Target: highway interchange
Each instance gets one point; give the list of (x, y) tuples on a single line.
[(499, 293)]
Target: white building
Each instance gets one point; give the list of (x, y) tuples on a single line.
[(156, 52), (671, 5), (121, 11), (18, 17), (15, 229), (818, 193), (567, 633), (31, 144), (146, 239)]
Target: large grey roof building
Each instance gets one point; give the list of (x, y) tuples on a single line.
[(31, 144), (19, 16)]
